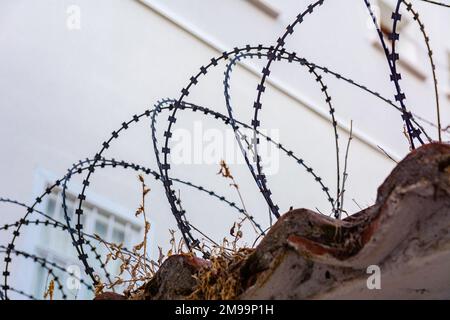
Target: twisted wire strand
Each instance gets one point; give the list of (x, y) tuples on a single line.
[(43, 263), (391, 58)]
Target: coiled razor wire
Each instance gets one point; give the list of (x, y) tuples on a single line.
[(248, 147)]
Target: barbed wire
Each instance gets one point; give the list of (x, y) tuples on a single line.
[(426, 39), (249, 147), (43, 263)]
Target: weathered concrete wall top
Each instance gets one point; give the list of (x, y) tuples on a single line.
[(399, 248)]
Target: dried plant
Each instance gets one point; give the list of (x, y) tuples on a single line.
[(174, 247), (135, 264), (215, 282), (225, 172), (50, 290), (406, 134), (221, 280), (143, 244), (387, 154), (99, 286), (340, 208), (236, 233)]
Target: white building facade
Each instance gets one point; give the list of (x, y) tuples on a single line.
[(72, 71)]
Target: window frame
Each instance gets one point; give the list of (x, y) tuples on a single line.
[(36, 241)]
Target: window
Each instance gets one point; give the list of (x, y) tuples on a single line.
[(56, 245)]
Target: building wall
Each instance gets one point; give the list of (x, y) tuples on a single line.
[(62, 92), (340, 37)]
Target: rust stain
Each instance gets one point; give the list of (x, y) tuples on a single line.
[(303, 245), (370, 229), (198, 263)]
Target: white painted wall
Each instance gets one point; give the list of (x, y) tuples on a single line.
[(63, 92), (337, 36)]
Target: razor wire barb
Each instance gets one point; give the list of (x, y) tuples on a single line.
[(248, 147)]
